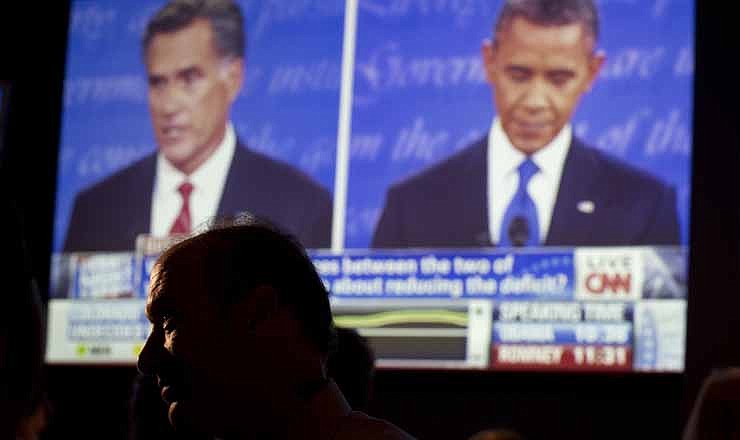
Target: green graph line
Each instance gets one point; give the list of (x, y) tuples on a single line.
[(382, 319)]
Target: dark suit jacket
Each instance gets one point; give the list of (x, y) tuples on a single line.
[(109, 215), (447, 205)]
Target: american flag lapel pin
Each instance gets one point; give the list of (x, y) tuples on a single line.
[(586, 206)]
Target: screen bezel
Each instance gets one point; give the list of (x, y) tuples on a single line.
[(715, 224)]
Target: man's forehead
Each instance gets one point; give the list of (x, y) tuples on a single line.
[(167, 284), (171, 51), (546, 48), (177, 288), (159, 293), (523, 33)]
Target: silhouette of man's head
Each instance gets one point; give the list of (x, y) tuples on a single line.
[(241, 329)]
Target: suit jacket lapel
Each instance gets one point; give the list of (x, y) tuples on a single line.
[(237, 189), (474, 193), (577, 199), (139, 219)]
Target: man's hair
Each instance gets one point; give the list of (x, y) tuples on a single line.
[(225, 17), (551, 13), (236, 256)]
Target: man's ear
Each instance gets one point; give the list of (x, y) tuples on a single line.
[(233, 75), (488, 53), (595, 63)]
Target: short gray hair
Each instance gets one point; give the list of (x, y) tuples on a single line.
[(225, 17)]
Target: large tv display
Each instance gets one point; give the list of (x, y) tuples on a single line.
[(495, 185)]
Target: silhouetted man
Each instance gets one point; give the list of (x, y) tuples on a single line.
[(241, 333)]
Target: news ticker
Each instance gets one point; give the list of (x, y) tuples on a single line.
[(542, 274), (645, 335)]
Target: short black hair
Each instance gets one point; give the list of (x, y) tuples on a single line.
[(225, 17), (239, 254), (551, 13)]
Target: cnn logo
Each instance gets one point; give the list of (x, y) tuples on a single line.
[(600, 283)]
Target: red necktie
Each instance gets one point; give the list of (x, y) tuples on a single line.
[(182, 222)]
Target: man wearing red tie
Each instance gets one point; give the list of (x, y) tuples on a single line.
[(194, 55)]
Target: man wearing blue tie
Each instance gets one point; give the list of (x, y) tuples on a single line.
[(531, 182)]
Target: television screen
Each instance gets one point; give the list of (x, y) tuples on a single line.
[(485, 185)]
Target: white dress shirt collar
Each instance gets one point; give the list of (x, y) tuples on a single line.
[(503, 178)]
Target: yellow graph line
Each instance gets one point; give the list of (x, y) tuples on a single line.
[(403, 317)]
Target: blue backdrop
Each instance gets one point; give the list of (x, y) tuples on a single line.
[(421, 94), (288, 107)]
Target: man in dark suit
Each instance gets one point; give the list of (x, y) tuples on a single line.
[(531, 182), (194, 54)]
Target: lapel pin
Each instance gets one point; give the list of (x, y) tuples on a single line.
[(586, 206)]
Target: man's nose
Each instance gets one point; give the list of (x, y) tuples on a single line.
[(150, 357), (170, 100), (535, 97)]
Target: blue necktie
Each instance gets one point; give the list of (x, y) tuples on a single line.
[(520, 226)]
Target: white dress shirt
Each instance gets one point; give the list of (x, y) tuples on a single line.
[(208, 185), (503, 177)]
